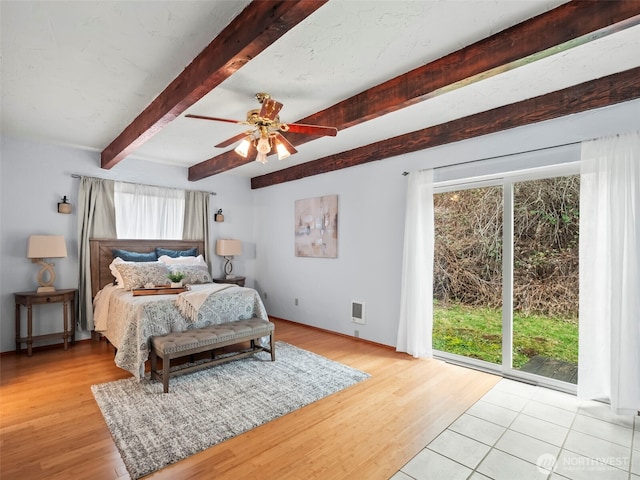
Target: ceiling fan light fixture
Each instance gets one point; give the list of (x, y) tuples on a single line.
[(261, 157), (282, 151), (263, 146), (243, 148), (266, 128)]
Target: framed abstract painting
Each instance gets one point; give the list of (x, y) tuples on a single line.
[(316, 227)]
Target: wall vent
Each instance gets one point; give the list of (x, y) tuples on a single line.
[(357, 312)]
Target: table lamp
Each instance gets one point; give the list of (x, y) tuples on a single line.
[(41, 247), (228, 248)]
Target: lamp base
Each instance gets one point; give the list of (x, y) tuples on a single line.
[(47, 268), (228, 267)]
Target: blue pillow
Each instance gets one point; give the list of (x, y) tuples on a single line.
[(191, 252), (128, 256)]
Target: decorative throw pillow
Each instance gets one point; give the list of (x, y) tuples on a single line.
[(193, 274), (114, 271), (128, 256), (190, 252), (140, 274), (199, 260)]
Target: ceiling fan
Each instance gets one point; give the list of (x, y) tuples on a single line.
[(265, 130)]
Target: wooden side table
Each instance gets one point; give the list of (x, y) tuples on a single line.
[(28, 299), (235, 280)]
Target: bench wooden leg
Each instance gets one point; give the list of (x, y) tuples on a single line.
[(166, 363), (154, 361), (272, 343)]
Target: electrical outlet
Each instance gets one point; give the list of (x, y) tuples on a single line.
[(295, 302), (356, 333), (264, 294)]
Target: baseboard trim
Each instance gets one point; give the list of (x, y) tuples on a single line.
[(324, 330)]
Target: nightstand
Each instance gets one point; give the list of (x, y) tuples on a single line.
[(28, 299), (235, 280)]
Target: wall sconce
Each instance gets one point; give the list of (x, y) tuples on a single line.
[(41, 247), (228, 248), (219, 217), (64, 206)]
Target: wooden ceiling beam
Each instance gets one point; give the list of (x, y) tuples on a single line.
[(260, 24), (520, 44), (610, 90)]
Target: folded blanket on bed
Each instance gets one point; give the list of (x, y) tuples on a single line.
[(101, 308), (189, 302)]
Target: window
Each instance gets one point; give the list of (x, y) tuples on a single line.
[(144, 211)]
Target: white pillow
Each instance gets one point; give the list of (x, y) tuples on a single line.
[(115, 272), (167, 260)]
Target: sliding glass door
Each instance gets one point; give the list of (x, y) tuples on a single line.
[(506, 277), (545, 277), (468, 273)]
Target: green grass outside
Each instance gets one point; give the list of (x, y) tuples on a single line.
[(477, 333)]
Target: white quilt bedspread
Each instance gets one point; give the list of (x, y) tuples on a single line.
[(128, 322)]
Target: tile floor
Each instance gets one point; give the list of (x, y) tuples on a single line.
[(520, 431)]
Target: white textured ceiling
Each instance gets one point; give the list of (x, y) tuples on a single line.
[(77, 73)]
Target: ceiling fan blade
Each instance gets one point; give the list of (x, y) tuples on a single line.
[(232, 140), (215, 119), (270, 108), (310, 129), (286, 144)]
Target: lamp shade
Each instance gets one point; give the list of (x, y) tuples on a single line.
[(46, 246), (228, 247)]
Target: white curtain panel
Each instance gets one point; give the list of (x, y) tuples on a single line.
[(609, 339), (133, 202), (416, 301)]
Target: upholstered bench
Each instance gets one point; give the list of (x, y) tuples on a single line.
[(189, 342)]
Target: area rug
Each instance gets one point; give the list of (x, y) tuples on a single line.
[(154, 429)]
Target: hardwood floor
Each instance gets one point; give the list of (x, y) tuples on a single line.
[(51, 427)]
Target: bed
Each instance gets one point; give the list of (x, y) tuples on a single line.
[(129, 321)]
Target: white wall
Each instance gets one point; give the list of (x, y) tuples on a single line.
[(371, 206), (368, 267), (33, 179)]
